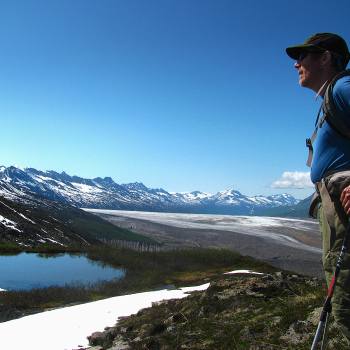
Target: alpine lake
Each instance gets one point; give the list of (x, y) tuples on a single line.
[(26, 271)]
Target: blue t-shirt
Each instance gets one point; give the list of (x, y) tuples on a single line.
[(332, 151)]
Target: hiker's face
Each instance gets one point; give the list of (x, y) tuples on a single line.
[(308, 66)]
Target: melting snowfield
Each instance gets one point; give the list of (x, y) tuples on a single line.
[(67, 328)]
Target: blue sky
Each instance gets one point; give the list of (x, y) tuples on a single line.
[(182, 94)]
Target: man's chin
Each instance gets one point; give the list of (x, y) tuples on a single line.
[(302, 82)]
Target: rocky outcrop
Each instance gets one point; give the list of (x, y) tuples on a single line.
[(236, 312)]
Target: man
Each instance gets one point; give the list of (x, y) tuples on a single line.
[(319, 62)]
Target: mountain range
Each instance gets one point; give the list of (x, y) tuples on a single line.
[(43, 207), (103, 193)]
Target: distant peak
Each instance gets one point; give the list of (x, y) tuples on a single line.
[(139, 185), (108, 179), (15, 168), (19, 167), (230, 190), (54, 172)]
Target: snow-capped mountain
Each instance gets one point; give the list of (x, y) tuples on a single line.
[(24, 184)]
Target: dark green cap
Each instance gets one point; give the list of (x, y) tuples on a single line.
[(321, 42)]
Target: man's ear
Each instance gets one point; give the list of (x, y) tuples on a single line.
[(326, 58)]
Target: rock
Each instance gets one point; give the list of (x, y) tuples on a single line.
[(123, 329), (176, 318), (314, 316), (157, 328), (119, 344), (103, 339), (276, 320), (298, 332), (171, 329), (96, 338)]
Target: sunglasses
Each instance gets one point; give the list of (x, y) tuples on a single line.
[(304, 54)]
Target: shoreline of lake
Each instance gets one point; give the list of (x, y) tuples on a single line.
[(145, 271), (27, 271)]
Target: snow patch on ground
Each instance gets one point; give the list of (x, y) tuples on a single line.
[(67, 328), (18, 213), (53, 241), (24, 217), (249, 272), (87, 188), (9, 223)]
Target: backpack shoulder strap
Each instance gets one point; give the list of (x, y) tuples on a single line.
[(330, 110)]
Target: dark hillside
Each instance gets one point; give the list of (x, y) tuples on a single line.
[(43, 222)]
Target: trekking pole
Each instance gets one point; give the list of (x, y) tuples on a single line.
[(324, 337), (327, 306)]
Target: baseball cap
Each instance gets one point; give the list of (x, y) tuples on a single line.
[(321, 42)]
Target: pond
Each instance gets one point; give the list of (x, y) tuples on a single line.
[(28, 270)]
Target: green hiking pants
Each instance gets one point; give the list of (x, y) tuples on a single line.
[(332, 241)]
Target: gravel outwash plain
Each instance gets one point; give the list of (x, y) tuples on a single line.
[(289, 244)]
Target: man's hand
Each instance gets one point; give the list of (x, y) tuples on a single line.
[(345, 199)]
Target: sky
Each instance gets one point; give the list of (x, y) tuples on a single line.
[(182, 95)]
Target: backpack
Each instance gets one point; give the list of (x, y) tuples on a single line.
[(329, 109), (330, 114)]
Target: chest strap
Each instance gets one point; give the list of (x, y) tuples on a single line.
[(310, 141)]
